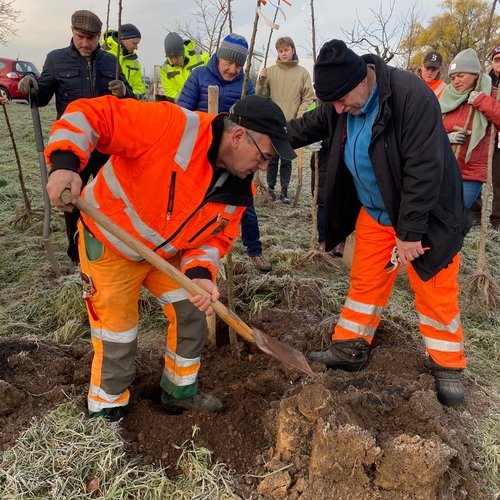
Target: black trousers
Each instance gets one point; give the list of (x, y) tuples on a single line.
[(285, 173)]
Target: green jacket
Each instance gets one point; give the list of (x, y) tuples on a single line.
[(128, 62), (173, 78)]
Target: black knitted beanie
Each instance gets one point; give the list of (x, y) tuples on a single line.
[(337, 71)]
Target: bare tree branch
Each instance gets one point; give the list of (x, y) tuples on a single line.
[(211, 16), (384, 33), (8, 18)]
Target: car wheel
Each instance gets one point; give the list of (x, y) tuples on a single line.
[(5, 93)]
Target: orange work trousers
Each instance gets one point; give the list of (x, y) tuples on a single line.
[(436, 300), (114, 315)]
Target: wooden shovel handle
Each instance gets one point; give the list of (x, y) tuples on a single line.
[(155, 260)]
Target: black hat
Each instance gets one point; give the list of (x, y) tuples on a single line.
[(129, 31), (433, 59), (337, 71), (262, 115)]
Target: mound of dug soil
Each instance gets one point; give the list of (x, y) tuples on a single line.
[(376, 434)]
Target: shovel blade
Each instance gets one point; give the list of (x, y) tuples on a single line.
[(283, 352)]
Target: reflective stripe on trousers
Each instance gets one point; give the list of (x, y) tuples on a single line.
[(118, 283), (436, 300)]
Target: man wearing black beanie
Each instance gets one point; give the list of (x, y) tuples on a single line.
[(393, 177)]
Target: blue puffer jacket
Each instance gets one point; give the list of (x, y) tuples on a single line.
[(194, 95), (70, 76)]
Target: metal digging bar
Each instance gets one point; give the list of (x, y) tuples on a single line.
[(271, 346), (37, 127)]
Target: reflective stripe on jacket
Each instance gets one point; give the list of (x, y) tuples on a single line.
[(415, 167), (437, 86), (156, 183)]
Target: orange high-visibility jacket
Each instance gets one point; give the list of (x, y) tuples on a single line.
[(437, 86), (156, 183)]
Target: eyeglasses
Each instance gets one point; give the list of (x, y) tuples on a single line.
[(263, 157)]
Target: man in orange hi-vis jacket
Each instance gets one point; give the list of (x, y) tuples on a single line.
[(180, 187), (393, 177)]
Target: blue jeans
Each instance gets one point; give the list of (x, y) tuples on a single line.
[(250, 235), (471, 192)]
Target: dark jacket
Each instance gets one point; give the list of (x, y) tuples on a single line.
[(194, 95), (414, 165), (70, 76)]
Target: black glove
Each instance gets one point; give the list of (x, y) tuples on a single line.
[(117, 88), (457, 137)]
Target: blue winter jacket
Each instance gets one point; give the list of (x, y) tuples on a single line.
[(194, 95), (70, 76)]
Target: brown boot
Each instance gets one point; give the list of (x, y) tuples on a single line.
[(261, 263)]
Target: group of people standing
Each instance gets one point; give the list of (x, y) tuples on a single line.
[(470, 108), (184, 185)]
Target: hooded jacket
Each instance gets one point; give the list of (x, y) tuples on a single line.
[(414, 166), (70, 76), (194, 95), (289, 86), (129, 63)]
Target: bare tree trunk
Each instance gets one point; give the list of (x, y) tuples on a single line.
[(107, 15), (117, 71), (25, 220), (271, 33), (314, 204), (230, 16), (250, 51), (313, 32)]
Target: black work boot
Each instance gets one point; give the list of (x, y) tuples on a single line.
[(200, 401), (272, 194), (450, 390), (349, 355), (284, 196), (112, 414)]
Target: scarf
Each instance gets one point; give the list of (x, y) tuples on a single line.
[(451, 99)]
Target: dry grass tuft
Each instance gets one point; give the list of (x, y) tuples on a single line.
[(67, 455)]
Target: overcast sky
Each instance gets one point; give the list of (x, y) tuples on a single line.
[(45, 24)]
